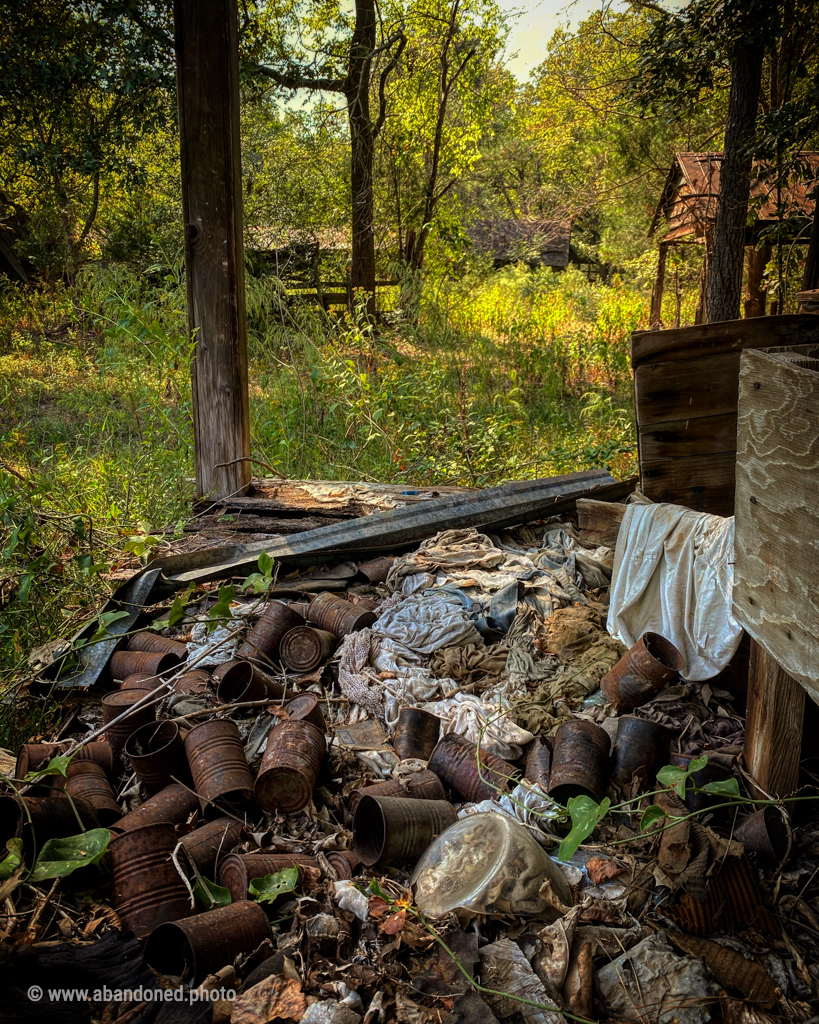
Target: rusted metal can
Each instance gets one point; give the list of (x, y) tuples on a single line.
[(138, 681), (263, 641), (652, 664), (455, 761), (238, 681), (305, 648), (306, 708), (212, 842), (200, 945), (338, 616), (148, 890), (36, 819), (174, 804), (712, 772), (98, 751), (642, 748), (88, 781), (33, 757), (423, 785), (290, 767), (416, 734), (344, 862), (580, 761), (147, 641), (539, 761), (764, 834), (218, 764), (196, 681), (389, 830), (157, 755), (149, 663), (238, 870), (376, 570), (116, 704)]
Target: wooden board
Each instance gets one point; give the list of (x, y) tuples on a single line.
[(703, 482), (776, 590), (703, 435), (679, 390), (599, 521)]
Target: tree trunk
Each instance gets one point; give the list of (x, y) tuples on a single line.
[(755, 295), (362, 151), (659, 287), (724, 286), (810, 273)]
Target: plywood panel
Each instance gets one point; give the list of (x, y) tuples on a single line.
[(704, 435), (683, 390), (776, 594), (703, 482)]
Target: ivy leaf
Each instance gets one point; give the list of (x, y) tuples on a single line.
[(60, 857), (585, 814), (269, 888), (211, 895), (56, 766), (265, 563), (723, 787), (676, 778), (105, 620), (650, 815), (376, 890), (13, 859)]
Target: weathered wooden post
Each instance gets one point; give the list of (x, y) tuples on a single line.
[(207, 68)]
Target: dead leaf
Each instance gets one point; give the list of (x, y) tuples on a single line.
[(601, 870), (394, 923), (274, 998), (378, 907)]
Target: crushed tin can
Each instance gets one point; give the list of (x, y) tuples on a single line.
[(262, 643), (211, 843), (648, 667), (424, 785), (86, 780), (416, 734), (539, 762), (642, 749), (376, 570), (455, 761), (116, 704), (338, 616), (305, 648), (174, 804), (198, 946), (306, 707), (157, 755), (221, 775), (148, 663), (290, 767), (238, 870), (148, 890), (580, 761), (389, 830), (156, 644)]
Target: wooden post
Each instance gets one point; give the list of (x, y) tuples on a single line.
[(207, 67), (659, 284), (773, 728)]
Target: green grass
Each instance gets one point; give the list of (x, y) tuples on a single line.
[(511, 376)]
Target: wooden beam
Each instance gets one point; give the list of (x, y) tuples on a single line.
[(659, 285), (599, 521), (755, 295), (207, 64), (773, 728)]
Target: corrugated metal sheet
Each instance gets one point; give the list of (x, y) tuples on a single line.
[(734, 903)]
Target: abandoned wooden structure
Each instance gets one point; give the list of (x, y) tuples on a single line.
[(688, 205), (544, 243)]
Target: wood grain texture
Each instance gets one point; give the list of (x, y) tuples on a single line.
[(776, 589), (599, 522), (702, 482), (773, 727), (207, 61), (728, 336), (704, 435), (678, 390)]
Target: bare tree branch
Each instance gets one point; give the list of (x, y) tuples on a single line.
[(382, 83)]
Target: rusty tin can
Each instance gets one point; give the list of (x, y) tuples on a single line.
[(389, 830), (290, 767), (539, 761), (376, 570), (88, 781), (344, 862), (157, 755), (238, 870), (454, 761), (306, 708), (196, 681), (36, 819), (148, 663), (642, 748), (305, 648), (580, 761), (218, 765), (32, 757), (174, 804), (211, 843), (764, 833), (201, 945), (338, 616), (648, 667), (712, 772), (116, 704), (238, 681), (147, 887), (138, 681), (423, 785), (263, 641), (98, 751), (147, 641), (416, 734)]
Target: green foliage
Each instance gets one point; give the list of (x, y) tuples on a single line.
[(677, 778), (220, 612), (13, 859), (270, 887), (585, 815), (61, 857), (211, 895), (261, 581)]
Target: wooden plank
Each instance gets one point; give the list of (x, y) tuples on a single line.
[(704, 435), (728, 336), (207, 63), (680, 390), (776, 589), (773, 727), (702, 482), (599, 521)]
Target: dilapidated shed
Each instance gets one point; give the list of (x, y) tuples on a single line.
[(536, 242)]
